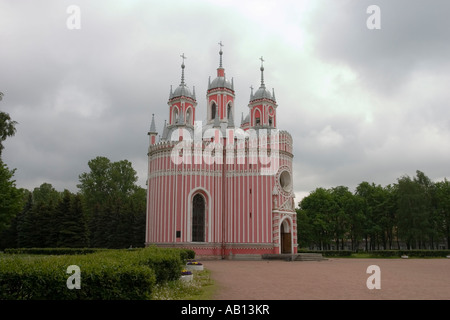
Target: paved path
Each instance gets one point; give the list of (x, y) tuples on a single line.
[(401, 279)]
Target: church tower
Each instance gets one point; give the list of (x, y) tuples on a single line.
[(263, 106), (220, 97), (182, 103)]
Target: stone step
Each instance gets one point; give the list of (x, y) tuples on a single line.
[(252, 257), (295, 257), (283, 256), (309, 257)]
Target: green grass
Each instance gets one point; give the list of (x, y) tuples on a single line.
[(200, 288)]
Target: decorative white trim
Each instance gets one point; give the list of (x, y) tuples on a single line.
[(290, 224), (208, 212)]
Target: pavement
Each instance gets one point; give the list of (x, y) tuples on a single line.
[(332, 279)]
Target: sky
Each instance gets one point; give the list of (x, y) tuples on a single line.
[(361, 104)]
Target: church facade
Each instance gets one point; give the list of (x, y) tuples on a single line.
[(219, 188)]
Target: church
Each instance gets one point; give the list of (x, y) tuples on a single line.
[(219, 188)]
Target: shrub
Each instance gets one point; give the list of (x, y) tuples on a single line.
[(410, 253), (167, 263), (105, 274), (383, 253), (51, 251), (329, 253)]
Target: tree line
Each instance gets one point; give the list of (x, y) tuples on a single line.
[(108, 211), (413, 213)]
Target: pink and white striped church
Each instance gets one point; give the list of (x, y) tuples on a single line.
[(220, 189)]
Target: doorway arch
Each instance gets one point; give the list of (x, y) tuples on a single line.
[(285, 236)]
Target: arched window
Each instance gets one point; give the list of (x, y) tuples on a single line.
[(189, 116), (229, 111), (270, 122), (213, 110), (175, 114), (257, 118), (198, 218)]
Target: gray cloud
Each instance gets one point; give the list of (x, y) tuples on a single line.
[(412, 36), (361, 104)]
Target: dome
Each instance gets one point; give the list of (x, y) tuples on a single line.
[(182, 90), (221, 82), (262, 93)]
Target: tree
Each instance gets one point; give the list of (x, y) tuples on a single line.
[(345, 206), (109, 191), (413, 220), (73, 231), (305, 236), (377, 208), (7, 127), (21, 236), (37, 223), (442, 209), (95, 185), (46, 194), (356, 221), (138, 205), (10, 197), (318, 207), (390, 214)]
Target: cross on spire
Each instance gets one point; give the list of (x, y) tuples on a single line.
[(220, 52), (182, 68), (183, 57), (262, 72)]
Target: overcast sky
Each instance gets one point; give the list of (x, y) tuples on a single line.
[(361, 104)]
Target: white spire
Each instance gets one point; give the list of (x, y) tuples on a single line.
[(152, 125)]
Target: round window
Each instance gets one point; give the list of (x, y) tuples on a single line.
[(286, 181)]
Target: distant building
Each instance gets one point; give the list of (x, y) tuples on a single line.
[(218, 188)]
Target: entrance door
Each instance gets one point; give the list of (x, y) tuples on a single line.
[(198, 218), (285, 236)]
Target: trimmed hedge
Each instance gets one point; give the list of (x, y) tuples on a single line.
[(166, 262), (383, 253), (329, 253), (52, 251), (411, 253), (105, 275), (46, 279)]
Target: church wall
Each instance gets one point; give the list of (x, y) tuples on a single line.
[(251, 221)]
